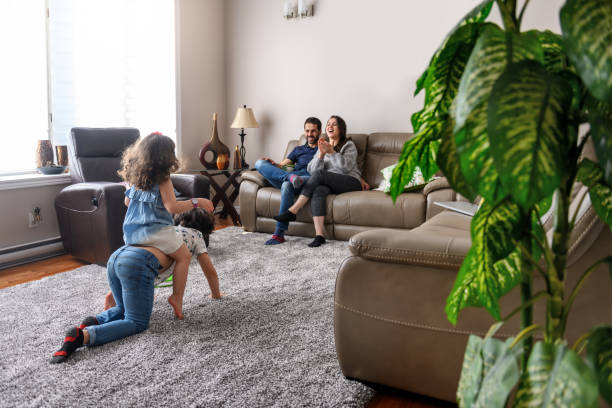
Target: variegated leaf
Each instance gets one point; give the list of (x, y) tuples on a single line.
[(500, 373), (587, 30), (591, 174), (527, 127), (552, 45), (471, 373), (490, 269), (601, 132), (556, 377), (448, 161), (443, 79), (599, 355), (487, 62), (418, 151), (477, 15), (465, 290)]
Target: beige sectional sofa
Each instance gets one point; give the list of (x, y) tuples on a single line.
[(348, 213), (389, 321)]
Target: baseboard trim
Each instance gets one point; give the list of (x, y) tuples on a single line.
[(35, 251)]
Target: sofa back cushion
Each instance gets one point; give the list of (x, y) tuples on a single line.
[(383, 150)]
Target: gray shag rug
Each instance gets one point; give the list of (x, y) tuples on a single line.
[(269, 342)]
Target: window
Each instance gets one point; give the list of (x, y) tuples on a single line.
[(96, 63)]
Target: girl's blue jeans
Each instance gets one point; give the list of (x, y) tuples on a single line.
[(131, 272), (279, 178)]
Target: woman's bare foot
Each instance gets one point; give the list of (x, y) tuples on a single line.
[(109, 301), (177, 307)]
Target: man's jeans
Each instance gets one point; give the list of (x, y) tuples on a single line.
[(279, 178), (131, 272)]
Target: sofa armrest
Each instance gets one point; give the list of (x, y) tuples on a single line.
[(191, 185), (255, 177), (437, 184), (441, 242)]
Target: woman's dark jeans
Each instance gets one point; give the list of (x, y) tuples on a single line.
[(323, 183)]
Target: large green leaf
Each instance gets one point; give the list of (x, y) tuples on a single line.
[(601, 132), (465, 290), (477, 15), (587, 32), (591, 175), (599, 355), (487, 62), (489, 270), (528, 130), (552, 45), (489, 372), (500, 373), (443, 77), (556, 377), (448, 161), (420, 151), (471, 373)]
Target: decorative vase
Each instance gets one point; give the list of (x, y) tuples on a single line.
[(222, 161), (213, 148), (61, 153), (237, 161), (44, 153)]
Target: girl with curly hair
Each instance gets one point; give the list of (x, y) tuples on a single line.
[(146, 167)]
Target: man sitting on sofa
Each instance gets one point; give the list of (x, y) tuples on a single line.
[(290, 180)]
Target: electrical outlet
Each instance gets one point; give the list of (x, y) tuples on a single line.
[(34, 218)]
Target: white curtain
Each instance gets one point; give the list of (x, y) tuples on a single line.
[(101, 63)]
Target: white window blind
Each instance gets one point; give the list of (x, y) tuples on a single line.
[(112, 64), (94, 63), (23, 82)]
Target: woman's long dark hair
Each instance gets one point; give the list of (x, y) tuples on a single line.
[(342, 129), (149, 161)]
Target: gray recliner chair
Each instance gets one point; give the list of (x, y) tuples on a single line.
[(91, 211)]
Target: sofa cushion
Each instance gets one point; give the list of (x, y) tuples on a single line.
[(442, 242), (376, 209), (383, 150), (267, 205)]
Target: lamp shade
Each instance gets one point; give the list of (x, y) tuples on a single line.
[(244, 119)]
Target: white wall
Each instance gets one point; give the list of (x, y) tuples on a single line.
[(201, 74), (356, 58)]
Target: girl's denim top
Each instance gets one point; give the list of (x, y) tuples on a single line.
[(145, 215)]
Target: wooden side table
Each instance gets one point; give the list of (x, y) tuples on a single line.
[(221, 191)]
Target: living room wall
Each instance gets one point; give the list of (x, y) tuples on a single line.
[(356, 58)]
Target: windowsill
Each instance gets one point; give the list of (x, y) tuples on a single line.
[(32, 180)]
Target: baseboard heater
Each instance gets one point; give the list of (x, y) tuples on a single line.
[(34, 251)]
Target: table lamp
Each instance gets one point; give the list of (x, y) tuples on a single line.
[(244, 120)]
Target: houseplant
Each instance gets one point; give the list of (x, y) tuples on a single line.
[(501, 119)]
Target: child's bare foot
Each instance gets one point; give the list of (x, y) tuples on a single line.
[(109, 301), (219, 296), (177, 307)]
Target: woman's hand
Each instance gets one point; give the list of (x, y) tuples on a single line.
[(364, 184), (325, 147), (206, 204)]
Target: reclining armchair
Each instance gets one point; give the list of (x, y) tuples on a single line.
[(91, 210)]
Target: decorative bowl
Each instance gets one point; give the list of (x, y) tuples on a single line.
[(51, 169)]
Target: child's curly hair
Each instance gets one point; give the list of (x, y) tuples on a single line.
[(149, 161), (197, 218)]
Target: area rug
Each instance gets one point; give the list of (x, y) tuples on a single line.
[(268, 343)]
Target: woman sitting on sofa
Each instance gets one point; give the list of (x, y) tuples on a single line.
[(333, 169)]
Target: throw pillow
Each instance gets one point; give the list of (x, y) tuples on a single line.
[(416, 183)]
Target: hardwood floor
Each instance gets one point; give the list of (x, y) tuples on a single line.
[(386, 398)]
